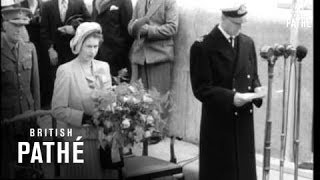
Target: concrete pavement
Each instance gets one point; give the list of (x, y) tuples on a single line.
[(185, 151)]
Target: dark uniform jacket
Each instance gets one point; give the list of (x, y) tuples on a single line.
[(227, 149), (114, 17), (51, 21)]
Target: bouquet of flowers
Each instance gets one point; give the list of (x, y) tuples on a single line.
[(127, 114)]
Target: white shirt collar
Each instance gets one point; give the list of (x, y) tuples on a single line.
[(225, 34)]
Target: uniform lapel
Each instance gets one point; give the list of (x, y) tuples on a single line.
[(223, 46), (6, 51)]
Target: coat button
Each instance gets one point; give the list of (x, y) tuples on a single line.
[(236, 113), (249, 87), (234, 89), (19, 74), (20, 97), (248, 76), (251, 111)]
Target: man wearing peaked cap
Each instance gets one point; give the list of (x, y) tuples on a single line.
[(20, 85), (224, 77), (236, 13), (16, 15)]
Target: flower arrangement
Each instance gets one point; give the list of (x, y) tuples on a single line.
[(127, 113)]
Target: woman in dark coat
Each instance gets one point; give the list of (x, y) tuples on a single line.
[(224, 76), (114, 16)]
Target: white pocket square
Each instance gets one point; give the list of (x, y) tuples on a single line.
[(113, 7)]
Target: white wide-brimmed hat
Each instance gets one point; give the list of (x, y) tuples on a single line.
[(83, 30)]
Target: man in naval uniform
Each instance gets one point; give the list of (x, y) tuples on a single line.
[(19, 84), (224, 78)]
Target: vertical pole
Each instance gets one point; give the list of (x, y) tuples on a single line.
[(297, 123), (294, 32), (284, 120), (267, 138)]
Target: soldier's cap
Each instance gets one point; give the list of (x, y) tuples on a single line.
[(16, 15), (236, 13)]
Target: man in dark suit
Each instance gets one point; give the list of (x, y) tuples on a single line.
[(114, 17), (224, 78), (55, 30)]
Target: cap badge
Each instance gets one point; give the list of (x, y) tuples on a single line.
[(242, 9)]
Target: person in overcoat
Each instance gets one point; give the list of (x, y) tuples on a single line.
[(20, 89), (224, 78), (114, 17)]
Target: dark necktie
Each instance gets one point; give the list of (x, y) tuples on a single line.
[(231, 41), (15, 51)]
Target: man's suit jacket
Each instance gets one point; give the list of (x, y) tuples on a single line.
[(51, 21), (72, 96), (158, 46), (114, 17)]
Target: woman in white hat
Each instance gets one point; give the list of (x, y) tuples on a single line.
[(72, 102)]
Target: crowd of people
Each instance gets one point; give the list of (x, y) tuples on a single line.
[(52, 50)]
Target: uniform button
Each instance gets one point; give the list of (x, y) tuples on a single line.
[(236, 113), (234, 89), (19, 74), (248, 76), (249, 87), (20, 97), (251, 111)]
